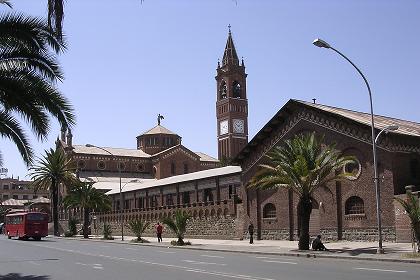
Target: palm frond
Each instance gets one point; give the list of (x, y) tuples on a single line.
[(6, 2), (10, 128), (301, 164)]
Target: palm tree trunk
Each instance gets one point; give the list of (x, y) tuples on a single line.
[(180, 241), (55, 207), (86, 223), (304, 210)]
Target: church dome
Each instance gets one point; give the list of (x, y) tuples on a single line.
[(157, 139)]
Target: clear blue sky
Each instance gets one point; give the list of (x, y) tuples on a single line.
[(127, 62)]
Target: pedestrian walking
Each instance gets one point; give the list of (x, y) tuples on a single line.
[(251, 233), (159, 230)]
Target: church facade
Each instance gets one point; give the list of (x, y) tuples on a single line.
[(162, 176)]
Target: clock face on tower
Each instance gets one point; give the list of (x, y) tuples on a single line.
[(224, 127), (238, 126)]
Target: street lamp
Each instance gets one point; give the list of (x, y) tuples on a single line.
[(322, 44), (385, 130), (121, 197)]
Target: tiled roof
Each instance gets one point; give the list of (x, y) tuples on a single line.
[(81, 149), (159, 130), (114, 183), (15, 202), (40, 200), (227, 170), (205, 157), (405, 127)]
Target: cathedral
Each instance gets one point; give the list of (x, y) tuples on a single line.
[(162, 176)]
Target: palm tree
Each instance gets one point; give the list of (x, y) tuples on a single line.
[(412, 207), (85, 196), (178, 225), (302, 165), (29, 70), (50, 171), (138, 227)]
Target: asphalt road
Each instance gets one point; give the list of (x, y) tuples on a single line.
[(71, 259)]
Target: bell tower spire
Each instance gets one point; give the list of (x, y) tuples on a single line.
[(230, 57), (232, 103)]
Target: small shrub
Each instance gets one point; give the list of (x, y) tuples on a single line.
[(68, 234), (72, 226), (177, 243), (138, 227), (108, 232)]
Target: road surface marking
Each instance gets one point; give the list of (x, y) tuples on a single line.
[(268, 261), (93, 265), (104, 246), (166, 252), (34, 263), (196, 262), (211, 256), (223, 274), (377, 269), (184, 268), (276, 259), (133, 249)]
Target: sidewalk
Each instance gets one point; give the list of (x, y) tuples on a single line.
[(342, 249)]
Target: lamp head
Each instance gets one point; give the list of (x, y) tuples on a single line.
[(89, 145), (321, 43)]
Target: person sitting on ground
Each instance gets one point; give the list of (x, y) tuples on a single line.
[(317, 244)]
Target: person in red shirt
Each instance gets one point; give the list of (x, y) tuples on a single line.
[(159, 230)]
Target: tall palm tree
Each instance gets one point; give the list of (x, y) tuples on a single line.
[(29, 70), (178, 225), (302, 165), (56, 16), (49, 172), (85, 196), (412, 206)]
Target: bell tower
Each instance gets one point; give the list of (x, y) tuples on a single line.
[(231, 104)]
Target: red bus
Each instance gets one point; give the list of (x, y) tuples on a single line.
[(27, 224)]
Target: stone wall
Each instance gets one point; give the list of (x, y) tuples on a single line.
[(208, 220), (275, 234), (350, 234)]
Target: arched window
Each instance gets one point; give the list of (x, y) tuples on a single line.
[(223, 90), (208, 195), (354, 205), (269, 211), (236, 89)]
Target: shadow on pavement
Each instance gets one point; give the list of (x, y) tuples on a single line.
[(16, 276)]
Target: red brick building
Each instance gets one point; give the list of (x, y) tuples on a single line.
[(349, 211), (221, 205)]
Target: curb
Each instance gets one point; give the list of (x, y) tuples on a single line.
[(299, 255)]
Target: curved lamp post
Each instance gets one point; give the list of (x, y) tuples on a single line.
[(322, 44), (386, 130)]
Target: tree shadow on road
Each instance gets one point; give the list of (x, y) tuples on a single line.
[(17, 276)]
